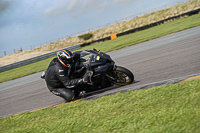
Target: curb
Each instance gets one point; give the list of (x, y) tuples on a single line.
[(191, 78)]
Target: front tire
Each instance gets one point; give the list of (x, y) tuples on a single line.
[(121, 76)]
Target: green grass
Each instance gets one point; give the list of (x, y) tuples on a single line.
[(25, 70), (170, 108), (124, 41)]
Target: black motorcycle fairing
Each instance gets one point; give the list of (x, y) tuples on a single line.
[(106, 56), (95, 58), (103, 68)]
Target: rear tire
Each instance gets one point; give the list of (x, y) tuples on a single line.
[(121, 76)]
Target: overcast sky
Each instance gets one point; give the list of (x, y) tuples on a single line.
[(26, 23)]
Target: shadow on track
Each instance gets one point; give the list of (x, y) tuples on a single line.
[(93, 95)]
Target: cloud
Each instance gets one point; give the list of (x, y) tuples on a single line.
[(103, 6), (90, 4), (94, 5), (4, 5), (123, 2), (62, 8), (75, 8)]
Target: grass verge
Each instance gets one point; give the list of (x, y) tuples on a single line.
[(168, 108), (124, 41), (25, 70)]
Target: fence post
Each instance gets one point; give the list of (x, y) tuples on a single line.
[(4, 53)]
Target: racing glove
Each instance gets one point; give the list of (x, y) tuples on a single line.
[(87, 77)]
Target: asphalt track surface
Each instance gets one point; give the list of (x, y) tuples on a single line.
[(169, 58)]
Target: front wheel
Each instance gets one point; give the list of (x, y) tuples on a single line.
[(121, 76)]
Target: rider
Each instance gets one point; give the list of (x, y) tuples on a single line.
[(57, 75)]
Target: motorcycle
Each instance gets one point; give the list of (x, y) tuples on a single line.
[(101, 72)]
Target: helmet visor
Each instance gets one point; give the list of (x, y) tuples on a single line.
[(67, 61)]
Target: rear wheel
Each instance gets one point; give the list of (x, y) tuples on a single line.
[(121, 76)]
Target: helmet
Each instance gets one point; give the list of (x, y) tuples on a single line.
[(65, 57)]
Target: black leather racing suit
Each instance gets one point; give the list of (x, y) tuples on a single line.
[(58, 80)]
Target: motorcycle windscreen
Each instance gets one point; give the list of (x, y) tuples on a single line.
[(95, 58)]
